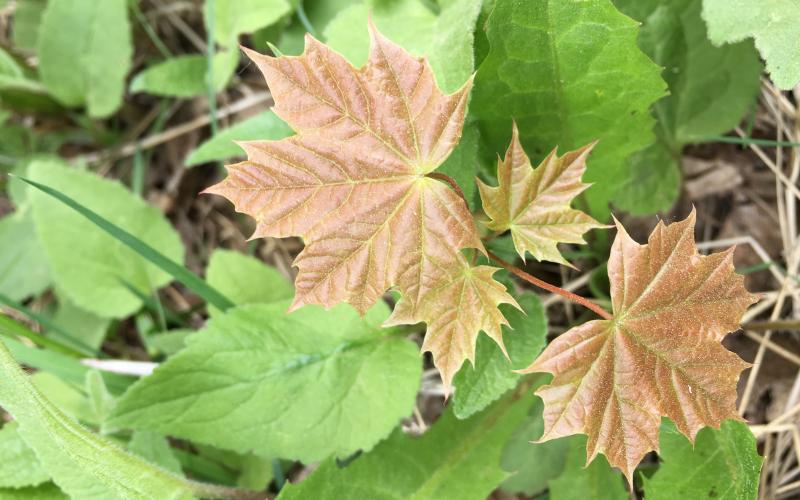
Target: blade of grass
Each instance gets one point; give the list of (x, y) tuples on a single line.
[(137, 176), (11, 329), (745, 141), (210, 50), (148, 29), (304, 20), (177, 271), (154, 305), (51, 327)]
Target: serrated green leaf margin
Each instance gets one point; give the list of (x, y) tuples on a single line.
[(83, 464), (772, 23), (85, 52), (455, 459), (569, 72), (303, 386), (723, 464), (478, 386)]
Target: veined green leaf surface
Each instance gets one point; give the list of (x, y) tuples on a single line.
[(455, 459), (722, 464), (304, 386), (493, 375)]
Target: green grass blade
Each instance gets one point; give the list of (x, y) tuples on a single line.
[(72, 340), (177, 271), (12, 329)]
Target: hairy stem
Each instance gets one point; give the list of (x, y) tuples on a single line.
[(552, 288)]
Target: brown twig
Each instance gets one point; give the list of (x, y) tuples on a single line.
[(552, 288)]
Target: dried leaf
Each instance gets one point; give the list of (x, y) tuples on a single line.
[(660, 355), (535, 204), (353, 183)]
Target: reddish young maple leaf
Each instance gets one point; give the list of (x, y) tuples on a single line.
[(354, 184), (534, 204), (659, 356)]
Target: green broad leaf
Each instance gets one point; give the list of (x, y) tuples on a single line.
[(12, 76), (167, 343), (23, 266), (19, 467), (87, 264), (87, 63), (569, 72), (579, 481), (701, 103), (493, 375), (457, 459), (185, 76), (723, 464), (47, 491), (533, 465), (236, 17), (88, 328), (653, 181), (245, 280), (154, 448), (25, 29), (262, 127), (445, 39), (771, 23), (83, 464), (314, 383)]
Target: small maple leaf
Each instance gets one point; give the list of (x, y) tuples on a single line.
[(354, 183), (460, 301), (659, 356), (534, 204)]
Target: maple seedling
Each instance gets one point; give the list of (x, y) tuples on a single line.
[(358, 183)]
